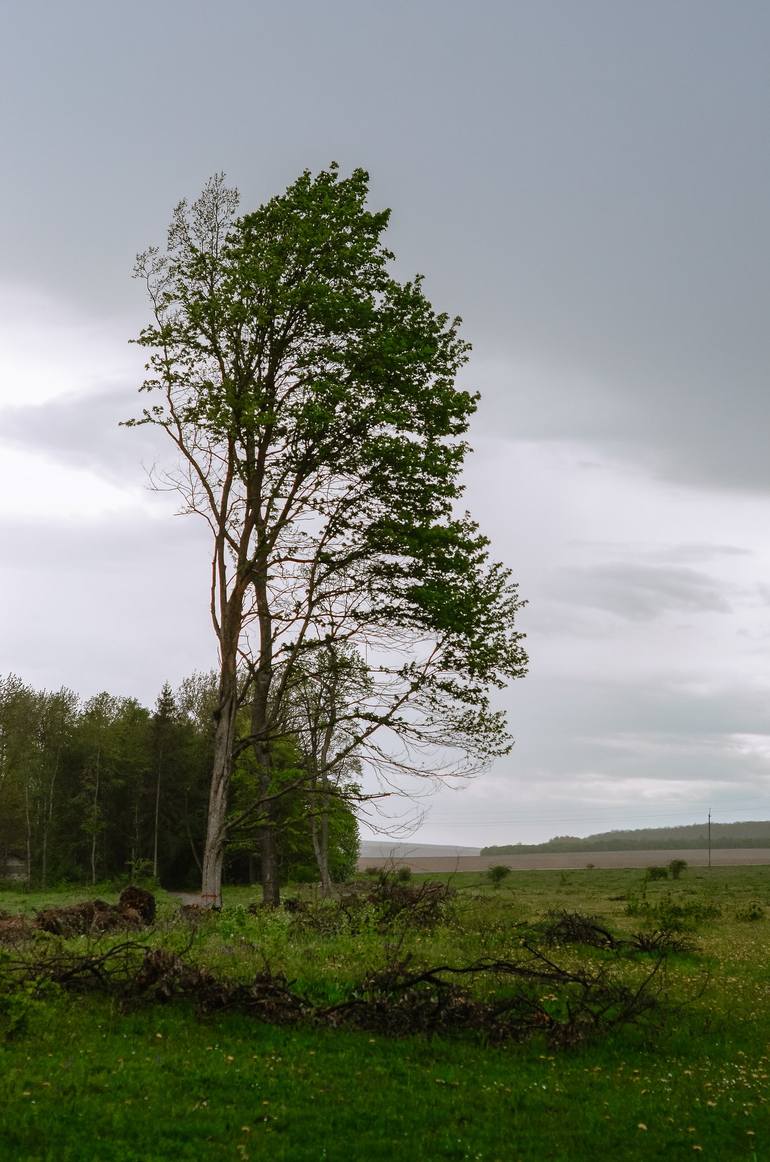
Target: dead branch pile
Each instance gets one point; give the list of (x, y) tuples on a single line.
[(532, 995), (661, 941), (135, 909), (424, 905), (268, 996), (511, 1000), (562, 927)]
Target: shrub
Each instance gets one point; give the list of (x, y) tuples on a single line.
[(676, 867), (404, 875), (391, 902), (497, 873), (656, 873), (670, 914), (752, 911)]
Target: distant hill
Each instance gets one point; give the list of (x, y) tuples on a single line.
[(694, 835), (388, 849)]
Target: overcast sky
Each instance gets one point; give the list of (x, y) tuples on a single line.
[(587, 184)]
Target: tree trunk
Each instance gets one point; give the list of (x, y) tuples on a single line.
[(268, 839), (222, 766), (271, 889), (320, 836), (216, 825), (193, 848), (28, 821), (95, 819), (157, 817), (47, 820), (263, 675), (44, 858), (326, 879)]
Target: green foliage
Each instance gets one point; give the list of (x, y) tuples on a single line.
[(656, 873), (677, 867), (751, 912), (671, 913), (19, 1006), (290, 817), (497, 873)]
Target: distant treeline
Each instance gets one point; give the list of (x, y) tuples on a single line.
[(692, 836), (107, 789)]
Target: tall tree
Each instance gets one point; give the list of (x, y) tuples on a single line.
[(19, 768), (57, 723), (163, 723), (312, 400)]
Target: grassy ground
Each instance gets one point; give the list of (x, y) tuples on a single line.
[(84, 1080)]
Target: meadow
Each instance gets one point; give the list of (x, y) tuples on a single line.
[(100, 1072)]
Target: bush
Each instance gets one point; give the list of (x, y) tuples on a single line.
[(497, 873), (391, 902), (656, 873), (753, 911), (404, 875), (676, 867), (670, 914)]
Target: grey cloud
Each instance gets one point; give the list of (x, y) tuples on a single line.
[(119, 602), (83, 431), (641, 592), (686, 551), (111, 543), (591, 194), (589, 191), (594, 755), (638, 729), (596, 708)]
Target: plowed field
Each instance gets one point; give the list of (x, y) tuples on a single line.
[(720, 857)]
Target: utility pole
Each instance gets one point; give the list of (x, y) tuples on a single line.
[(709, 837)]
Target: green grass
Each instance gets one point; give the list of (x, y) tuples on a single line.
[(83, 1080)]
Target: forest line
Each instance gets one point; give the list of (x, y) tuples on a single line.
[(107, 789)]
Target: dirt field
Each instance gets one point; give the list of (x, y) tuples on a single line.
[(562, 860)]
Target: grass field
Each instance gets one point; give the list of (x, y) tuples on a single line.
[(86, 1078)]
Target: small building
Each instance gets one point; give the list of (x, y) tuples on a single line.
[(14, 868)]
